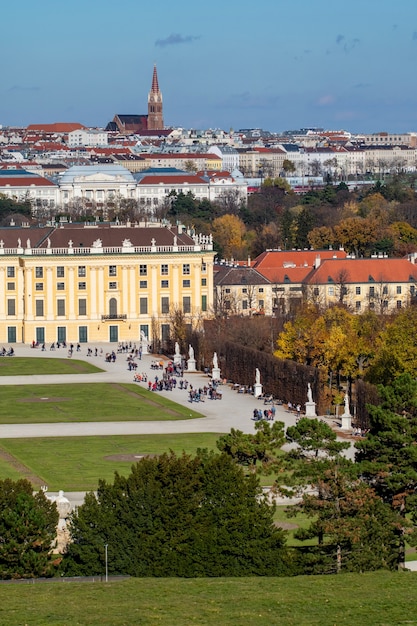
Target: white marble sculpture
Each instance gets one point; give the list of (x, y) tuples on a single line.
[(191, 365), (257, 388), (346, 417), (215, 372), (310, 404), (143, 342), (177, 355)]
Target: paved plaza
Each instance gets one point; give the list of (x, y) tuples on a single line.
[(234, 410)]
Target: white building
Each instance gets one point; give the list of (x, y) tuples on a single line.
[(87, 137), (96, 184), (228, 155)]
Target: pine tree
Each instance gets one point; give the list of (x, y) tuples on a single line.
[(178, 516), (27, 530)]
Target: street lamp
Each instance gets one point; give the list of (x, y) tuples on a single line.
[(106, 561)]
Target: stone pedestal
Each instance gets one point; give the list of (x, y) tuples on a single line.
[(177, 359), (257, 390), (311, 409), (191, 367), (215, 373), (346, 421), (144, 346)]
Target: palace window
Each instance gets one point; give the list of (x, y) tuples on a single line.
[(60, 304), (39, 308)]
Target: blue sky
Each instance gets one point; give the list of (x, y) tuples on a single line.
[(272, 64)]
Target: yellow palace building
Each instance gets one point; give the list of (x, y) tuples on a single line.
[(100, 282)]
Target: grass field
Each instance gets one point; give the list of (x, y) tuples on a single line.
[(87, 402), (76, 463), (20, 366), (372, 599)]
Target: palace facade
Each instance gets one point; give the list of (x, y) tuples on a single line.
[(101, 282)]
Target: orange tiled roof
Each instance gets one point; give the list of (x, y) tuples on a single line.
[(25, 181), (285, 274), (56, 127), (364, 271), (298, 258)]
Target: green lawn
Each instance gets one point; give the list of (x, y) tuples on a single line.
[(77, 463), (373, 599), (87, 402), (21, 366)]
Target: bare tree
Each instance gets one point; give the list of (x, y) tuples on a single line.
[(380, 296), (342, 289)]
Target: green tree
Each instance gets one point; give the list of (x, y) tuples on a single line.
[(178, 516), (27, 530), (288, 167), (387, 457), (260, 446), (356, 530), (9, 206), (313, 435)]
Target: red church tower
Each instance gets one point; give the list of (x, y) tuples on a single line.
[(155, 116)]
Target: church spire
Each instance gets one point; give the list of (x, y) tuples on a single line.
[(155, 116), (155, 86)]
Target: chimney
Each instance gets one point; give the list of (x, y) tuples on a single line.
[(317, 261)]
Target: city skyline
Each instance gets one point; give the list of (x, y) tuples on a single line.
[(231, 65)]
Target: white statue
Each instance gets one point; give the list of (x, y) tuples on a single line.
[(143, 337), (97, 244), (309, 393), (48, 242), (177, 348), (215, 361), (28, 243), (347, 410), (257, 377), (126, 243), (19, 243), (191, 352)]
